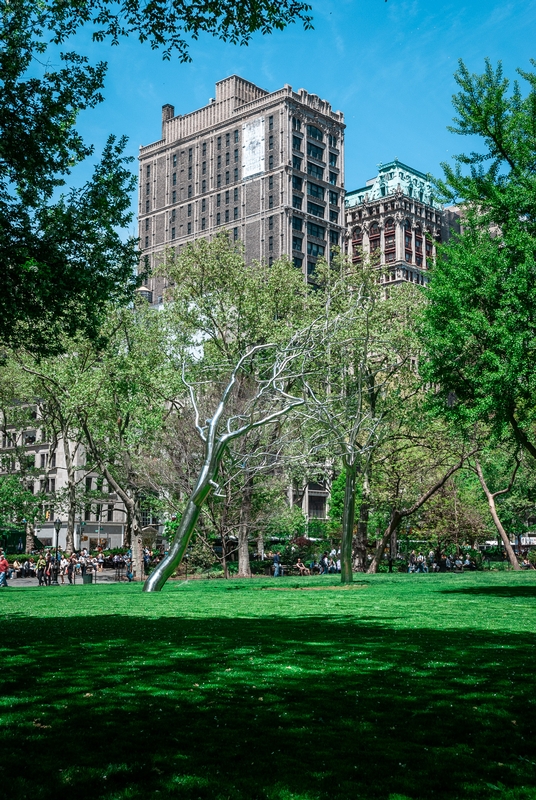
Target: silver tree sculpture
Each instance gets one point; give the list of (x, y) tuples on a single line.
[(270, 401)]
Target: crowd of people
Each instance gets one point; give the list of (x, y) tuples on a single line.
[(66, 569)]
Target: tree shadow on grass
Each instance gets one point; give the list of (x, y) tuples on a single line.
[(308, 708), (494, 591)]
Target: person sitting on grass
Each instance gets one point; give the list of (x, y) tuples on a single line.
[(302, 568)]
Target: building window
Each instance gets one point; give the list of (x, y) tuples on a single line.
[(147, 188), (235, 234), (218, 218), (332, 160), (146, 224), (227, 179), (227, 159), (296, 202), (297, 223), (315, 230), (235, 195), (270, 223), (204, 168), (203, 223), (333, 216), (236, 173), (332, 140), (218, 181), (270, 201), (146, 241), (270, 123), (110, 513), (296, 162), (333, 198), (236, 136), (333, 178), (226, 215), (174, 159), (315, 172), (236, 155), (408, 257), (315, 152), (189, 210), (296, 142), (296, 124), (271, 182), (297, 183), (297, 261), (190, 152), (219, 142), (203, 205), (146, 206), (189, 191), (174, 179), (218, 162), (218, 200), (315, 210), (315, 133), (270, 261), (315, 191), (203, 186), (189, 173), (334, 237), (204, 149), (297, 243), (270, 162), (235, 213), (314, 249), (270, 142), (270, 243), (189, 227), (227, 197), (173, 233)]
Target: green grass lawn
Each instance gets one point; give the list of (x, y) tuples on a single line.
[(402, 686)]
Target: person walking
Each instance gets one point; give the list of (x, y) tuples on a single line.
[(4, 567), (277, 564), (41, 566)]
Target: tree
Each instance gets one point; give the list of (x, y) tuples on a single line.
[(267, 402), (225, 307), (479, 326), (364, 375)]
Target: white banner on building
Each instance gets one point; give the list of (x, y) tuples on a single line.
[(253, 148)]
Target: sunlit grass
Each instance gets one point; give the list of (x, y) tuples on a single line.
[(403, 686)]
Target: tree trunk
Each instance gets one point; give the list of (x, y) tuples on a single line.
[(360, 560), (30, 532), (348, 517), (136, 544), (260, 545), (394, 522), (71, 494), (244, 567), (493, 510)]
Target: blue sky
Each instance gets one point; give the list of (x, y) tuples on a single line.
[(387, 65)]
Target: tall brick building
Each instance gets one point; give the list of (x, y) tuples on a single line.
[(266, 166)]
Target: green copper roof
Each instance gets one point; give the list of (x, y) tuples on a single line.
[(393, 176)]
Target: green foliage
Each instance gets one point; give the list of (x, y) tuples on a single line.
[(17, 502), (479, 326), (173, 25), (336, 500)]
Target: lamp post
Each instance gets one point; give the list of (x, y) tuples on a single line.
[(57, 527)]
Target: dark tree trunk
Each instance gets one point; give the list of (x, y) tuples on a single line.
[(348, 517), (244, 567), (360, 560)]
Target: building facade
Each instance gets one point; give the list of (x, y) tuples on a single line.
[(27, 450), (266, 166), (395, 218)]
